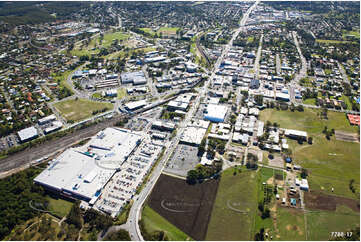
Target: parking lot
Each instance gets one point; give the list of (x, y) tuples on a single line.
[(184, 159), (124, 184)]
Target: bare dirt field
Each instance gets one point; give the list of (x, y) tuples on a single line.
[(188, 207), (316, 200), (346, 136)]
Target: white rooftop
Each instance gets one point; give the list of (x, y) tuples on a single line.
[(28, 133), (85, 170)]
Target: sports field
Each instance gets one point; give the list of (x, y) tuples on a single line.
[(332, 163), (80, 109), (154, 222), (234, 209)]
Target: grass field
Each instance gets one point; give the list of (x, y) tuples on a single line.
[(290, 224), (328, 41), (107, 41), (122, 92), (108, 38), (80, 109), (320, 224), (163, 30), (331, 163), (347, 102), (168, 30), (59, 206), (235, 192), (153, 222)]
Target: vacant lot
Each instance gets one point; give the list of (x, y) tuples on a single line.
[(188, 207), (331, 163), (316, 200), (320, 224), (80, 109), (154, 222), (234, 210)]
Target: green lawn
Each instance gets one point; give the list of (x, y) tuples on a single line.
[(310, 101), (80, 109), (331, 163), (62, 77), (59, 206), (238, 192), (153, 222), (320, 224)]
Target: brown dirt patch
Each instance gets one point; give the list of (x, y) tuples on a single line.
[(346, 136), (188, 207), (318, 200), (270, 180)]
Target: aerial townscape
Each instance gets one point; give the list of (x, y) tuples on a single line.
[(180, 120)]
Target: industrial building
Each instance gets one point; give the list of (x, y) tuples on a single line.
[(81, 173), (137, 78), (131, 106), (28, 134)]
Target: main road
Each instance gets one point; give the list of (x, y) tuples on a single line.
[(135, 212)]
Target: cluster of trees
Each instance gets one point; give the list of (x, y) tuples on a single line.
[(18, 190), (351, 186), (120, 235), (252, 160), (157, 235), (203, 171), (215, 145), (100, 111), (265, 212), (328, 132), (284, 106)]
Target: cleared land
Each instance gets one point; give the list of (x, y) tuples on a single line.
[(188, 207), (80, 109), (155, 222), (319, 201), (331, 163), (234, 209)]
